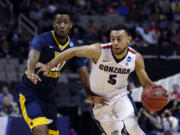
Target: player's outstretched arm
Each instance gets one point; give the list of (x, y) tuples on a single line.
[(91, 51), (141, 73), (33, 57)]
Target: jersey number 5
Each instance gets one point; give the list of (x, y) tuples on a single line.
[(112, 79)]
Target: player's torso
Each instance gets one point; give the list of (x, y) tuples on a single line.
[(108, 76), (50, 51), (51, 48)]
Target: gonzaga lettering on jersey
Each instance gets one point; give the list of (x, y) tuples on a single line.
[(112, 73), (114, 69)]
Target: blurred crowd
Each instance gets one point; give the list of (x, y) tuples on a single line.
[(155, 29), (8, 106), (164, 122), (154, 24)]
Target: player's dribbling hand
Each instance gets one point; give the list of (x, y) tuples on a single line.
[(33, 77), (97, 100), (42, 68)]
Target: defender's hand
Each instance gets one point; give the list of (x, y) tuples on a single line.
[(33, 77), (97, 100), (42, 68)]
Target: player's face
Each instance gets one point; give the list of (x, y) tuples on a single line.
[(119, 40), (62, 25)]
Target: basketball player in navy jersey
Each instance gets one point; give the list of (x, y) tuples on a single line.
[(36, 92), (111, 65)]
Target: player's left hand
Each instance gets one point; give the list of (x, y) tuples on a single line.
[(42, 68), (98, 100), (34, 78)]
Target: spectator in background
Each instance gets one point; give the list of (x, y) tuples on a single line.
[(88, 8), (7, 107), (76, 34), (168, 13), (154, 28), (154, 122), (138, 41), (176, 111), (65, 4), (146, 9), (155, 8), (104, 30), (149, 36), (13, 38), (104, 39), (170, 123), (52, 6), (123, 9), (26, 6), (5, 92), (44, 24), (4, 47), (23, 47), (81, 3), (175, 5), (175, 95), (111, 8), (99, 7), (163, 4), (141, 118), (175, 38), (36, 13), (165, 43), (164, 39), (91, 32)]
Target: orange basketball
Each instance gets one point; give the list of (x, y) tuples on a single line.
[(154, 98)]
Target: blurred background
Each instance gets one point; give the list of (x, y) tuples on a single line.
[(155, 29)]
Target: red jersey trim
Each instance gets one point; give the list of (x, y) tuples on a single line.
[(106, 47), (132, 51)]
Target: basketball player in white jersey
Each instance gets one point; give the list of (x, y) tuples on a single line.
[(111, 66)]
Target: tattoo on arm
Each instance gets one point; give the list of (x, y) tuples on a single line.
[(33, 58)]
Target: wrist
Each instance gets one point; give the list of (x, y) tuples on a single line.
[(48, 66), (30, 72)]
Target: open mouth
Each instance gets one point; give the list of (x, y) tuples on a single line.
[(117, 49), (61, 31)]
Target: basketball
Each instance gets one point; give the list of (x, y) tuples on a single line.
[(154, 98)]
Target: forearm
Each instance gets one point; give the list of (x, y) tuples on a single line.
[(84, 76), (86, 86), (147, 83), (91, 51), (32, 60), (66, 55)]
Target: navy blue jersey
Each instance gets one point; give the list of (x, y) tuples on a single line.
[(49, 47)]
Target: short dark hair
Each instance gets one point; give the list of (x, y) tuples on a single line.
[(62, 11), (121, 27)]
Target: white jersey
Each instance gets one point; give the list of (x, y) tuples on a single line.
[(109, 76), (108, 79)]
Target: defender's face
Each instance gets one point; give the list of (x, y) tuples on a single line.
[(119, 40), (62, 25)]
